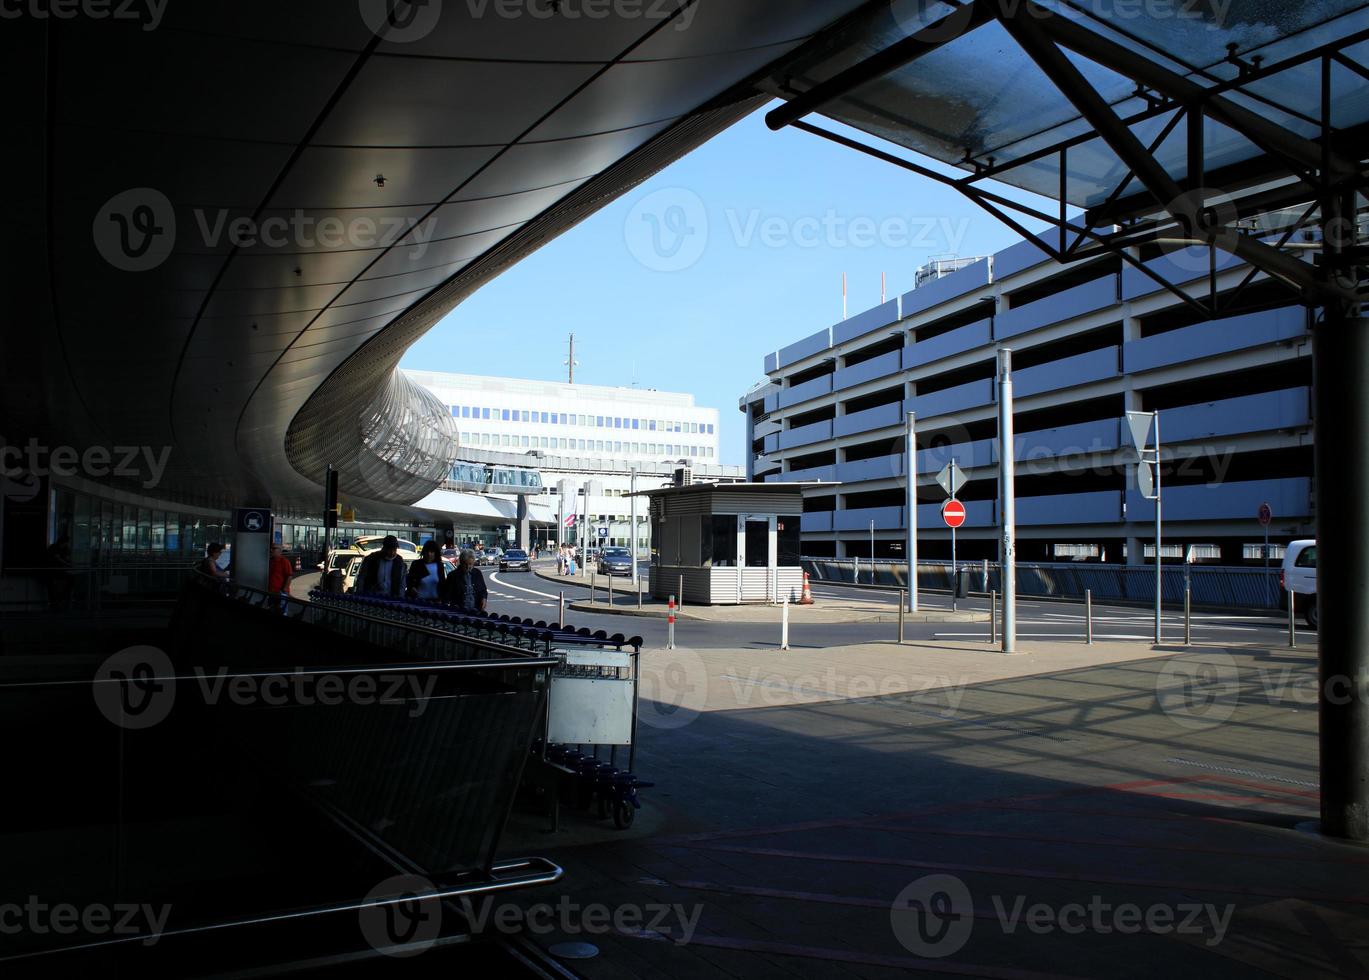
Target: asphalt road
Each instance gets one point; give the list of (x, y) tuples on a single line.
[(523, 594)]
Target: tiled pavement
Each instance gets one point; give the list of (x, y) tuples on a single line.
[(1134, 818)]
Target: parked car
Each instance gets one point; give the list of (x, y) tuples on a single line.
[(515, 560), (615, 561), (406, 548), (352, 570), (1299, 576), (338, 558)]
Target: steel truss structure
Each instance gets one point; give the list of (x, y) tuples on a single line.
[(1217, 209), (1311, 181)]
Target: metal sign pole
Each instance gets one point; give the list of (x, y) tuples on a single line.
[(1008, 498), (872, 553), (1159, 562), (910, 542), (1267, 597), (955, 582)]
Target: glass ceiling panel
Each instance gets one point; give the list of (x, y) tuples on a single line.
[(1010, 102), (1198, 31), (980, 93)]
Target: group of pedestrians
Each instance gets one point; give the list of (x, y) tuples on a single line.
[(428, 577), (383, 573), (567, 559)]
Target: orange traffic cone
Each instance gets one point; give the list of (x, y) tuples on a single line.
[(807, 598)]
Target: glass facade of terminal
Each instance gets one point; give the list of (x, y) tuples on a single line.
[(108, 531)]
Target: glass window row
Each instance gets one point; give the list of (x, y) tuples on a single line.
[(588, 421)]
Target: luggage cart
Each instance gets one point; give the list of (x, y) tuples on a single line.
[(591, 703)]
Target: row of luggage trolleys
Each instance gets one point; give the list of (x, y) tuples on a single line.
[(591, 697)]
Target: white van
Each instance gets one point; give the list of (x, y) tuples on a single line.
[(1299, 576)]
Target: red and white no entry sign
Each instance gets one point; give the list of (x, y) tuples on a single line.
[(953, 513)]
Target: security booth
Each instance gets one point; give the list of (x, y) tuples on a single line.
[(725, 544)]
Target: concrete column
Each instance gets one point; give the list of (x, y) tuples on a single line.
[(523, 530)]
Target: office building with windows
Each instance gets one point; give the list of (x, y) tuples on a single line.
[(584, 441), (1090, 341)]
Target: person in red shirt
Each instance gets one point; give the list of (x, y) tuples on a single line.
[(279, 572)]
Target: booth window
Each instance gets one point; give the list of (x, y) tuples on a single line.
[(721, 543), (789, 546)]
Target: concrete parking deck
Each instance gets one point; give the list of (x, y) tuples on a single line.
[(1089, 812)]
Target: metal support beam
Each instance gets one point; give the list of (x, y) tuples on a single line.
[(957, 23), (1188, 206), (1298, 153), (993, 203), (1340, 363)]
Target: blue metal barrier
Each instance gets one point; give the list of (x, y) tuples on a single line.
[(1215, 586)]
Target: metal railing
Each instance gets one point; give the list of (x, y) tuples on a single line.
[(88, 588), (1213, 586)]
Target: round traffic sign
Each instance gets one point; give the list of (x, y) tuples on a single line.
[(953, 513), (1265, 514)]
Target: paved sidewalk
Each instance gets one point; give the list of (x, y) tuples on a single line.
[(1107, 811), (686, 679)]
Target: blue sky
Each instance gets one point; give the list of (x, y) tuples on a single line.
[(734, 251)]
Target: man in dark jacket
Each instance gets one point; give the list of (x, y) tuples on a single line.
[(465, 588), (382, 572)]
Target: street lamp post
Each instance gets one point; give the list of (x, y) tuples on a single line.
[(632, 531)]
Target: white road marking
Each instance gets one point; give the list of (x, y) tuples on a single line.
[(494, 577)]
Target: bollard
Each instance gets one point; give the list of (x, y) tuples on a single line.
[(993, 618), (610, 590), (670, 624), (561, 613), (591, 588), (902, 602), (681, 592), (784, 626), (1088, 616), (1188, 615), (1292, 621), (639, 593)]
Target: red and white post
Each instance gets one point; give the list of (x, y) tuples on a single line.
[(670, 624)]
